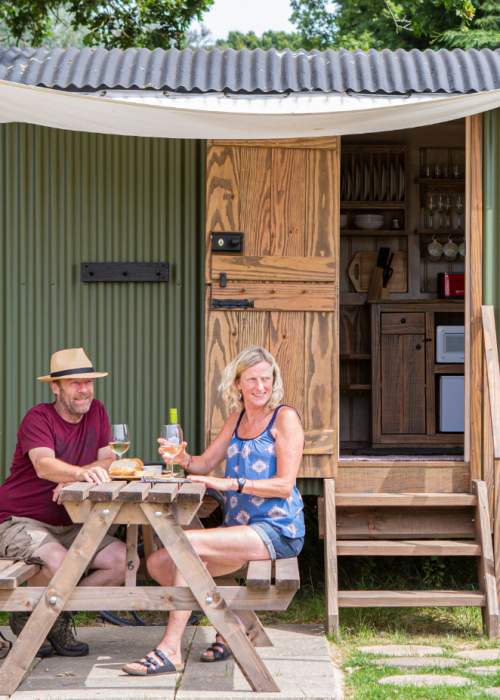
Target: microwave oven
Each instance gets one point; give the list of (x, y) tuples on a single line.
[(450, 344)]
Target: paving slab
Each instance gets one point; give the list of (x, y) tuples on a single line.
[(99, 674), (300, 662), (479, 654), (484, 670), (417, 662), (426, 680), (401, 650), (494, 692)]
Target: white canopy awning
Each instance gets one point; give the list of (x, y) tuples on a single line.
[(218, 116)]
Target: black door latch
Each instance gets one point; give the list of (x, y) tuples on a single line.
[(232, 304)]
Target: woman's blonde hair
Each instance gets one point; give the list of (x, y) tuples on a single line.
[(248, 358)]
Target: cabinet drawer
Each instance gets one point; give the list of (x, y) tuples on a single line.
[(401, 323)]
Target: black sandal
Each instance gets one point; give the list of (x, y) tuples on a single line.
[(153, 665), (5, 646), (219, 652)]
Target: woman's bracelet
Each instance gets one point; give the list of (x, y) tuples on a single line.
[(186, 468)]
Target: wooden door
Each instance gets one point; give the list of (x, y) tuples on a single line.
[(284, 198), (402, 384)]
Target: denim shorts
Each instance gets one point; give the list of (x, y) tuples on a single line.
[(278, 545)]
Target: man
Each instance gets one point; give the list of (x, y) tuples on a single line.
[(58, 443)]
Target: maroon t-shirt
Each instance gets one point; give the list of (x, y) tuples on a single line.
[(23, 493)]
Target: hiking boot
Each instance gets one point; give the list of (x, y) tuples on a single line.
[(17, 620), (62, 636)]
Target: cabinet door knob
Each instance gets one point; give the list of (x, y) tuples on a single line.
[(403, 320), (418, 347)]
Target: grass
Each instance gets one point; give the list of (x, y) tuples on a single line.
[(451, 628)]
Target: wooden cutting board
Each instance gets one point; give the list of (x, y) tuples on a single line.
[(361, 267)]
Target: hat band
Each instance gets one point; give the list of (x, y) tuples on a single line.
[(77, 370)]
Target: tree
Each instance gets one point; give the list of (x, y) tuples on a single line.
[(114, 23), (268, 40), (393, 24)]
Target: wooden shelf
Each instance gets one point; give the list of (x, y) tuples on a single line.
[(373, 232), (356, 356), (448, 368), (445, 181), (372, 205), (439, 233), (355, 388)]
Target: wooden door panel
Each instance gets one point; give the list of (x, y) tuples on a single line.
[(285, 296), (403, 384), (288, 192), (274, 268), (285, 202), (287, 345), (322, 201)]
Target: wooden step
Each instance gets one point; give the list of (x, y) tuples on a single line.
[(408, 548), (405, 499), (410, 599)]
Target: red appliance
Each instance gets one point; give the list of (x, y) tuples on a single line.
[(451, 285)]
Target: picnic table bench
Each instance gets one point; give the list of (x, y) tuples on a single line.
[(167, 508)]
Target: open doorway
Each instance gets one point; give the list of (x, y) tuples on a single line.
[(402, 263)]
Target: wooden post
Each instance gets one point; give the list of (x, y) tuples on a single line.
[(486, 564), (57, 593), (213, 605), (474, 294), (330, 543)]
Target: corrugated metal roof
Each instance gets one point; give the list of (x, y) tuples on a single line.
[(255, 72)]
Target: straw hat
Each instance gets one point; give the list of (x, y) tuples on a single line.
[(72, 363)]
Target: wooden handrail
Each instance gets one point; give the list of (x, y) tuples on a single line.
[(492, 373)]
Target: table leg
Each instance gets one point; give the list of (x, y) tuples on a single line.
[(213, 605), (80, 554), (132, 566)]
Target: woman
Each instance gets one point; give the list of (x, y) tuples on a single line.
[(262, 442)]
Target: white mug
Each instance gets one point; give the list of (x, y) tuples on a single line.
[(434, 250), (450, 250)]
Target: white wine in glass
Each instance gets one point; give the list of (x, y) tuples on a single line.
[(172, 434), (120, 441)]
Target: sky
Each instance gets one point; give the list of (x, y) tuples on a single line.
[(247, 15)]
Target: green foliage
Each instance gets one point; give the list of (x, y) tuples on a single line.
[(397, 24), (268, 40), (113, 24)]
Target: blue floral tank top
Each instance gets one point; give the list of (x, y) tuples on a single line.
[(255, 458)]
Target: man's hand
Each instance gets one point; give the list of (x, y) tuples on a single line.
[(57, 492), (94, 475)]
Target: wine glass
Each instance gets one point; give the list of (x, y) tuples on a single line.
[(120, 440), (431, 205), (459, 207), (172, 434)]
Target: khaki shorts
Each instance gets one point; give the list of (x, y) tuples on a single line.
[(20, 538)]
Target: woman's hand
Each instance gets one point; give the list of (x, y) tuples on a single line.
[(180, 457), (214, 482)]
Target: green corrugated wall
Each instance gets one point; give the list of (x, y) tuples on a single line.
[(491, 210), (68, 197)]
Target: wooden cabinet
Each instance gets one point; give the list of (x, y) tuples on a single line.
[(404, 372)]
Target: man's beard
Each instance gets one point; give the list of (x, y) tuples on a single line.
[(74, 410)]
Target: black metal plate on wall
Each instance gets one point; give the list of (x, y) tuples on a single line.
[(124, 272), (227, 242)]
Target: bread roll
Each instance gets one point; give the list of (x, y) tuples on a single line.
[(128, 466)]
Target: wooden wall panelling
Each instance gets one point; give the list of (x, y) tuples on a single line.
[(474, 295)]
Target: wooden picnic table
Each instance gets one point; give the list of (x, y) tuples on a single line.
[(167, 508)]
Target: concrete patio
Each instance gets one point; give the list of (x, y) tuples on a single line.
[(300, 662)]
